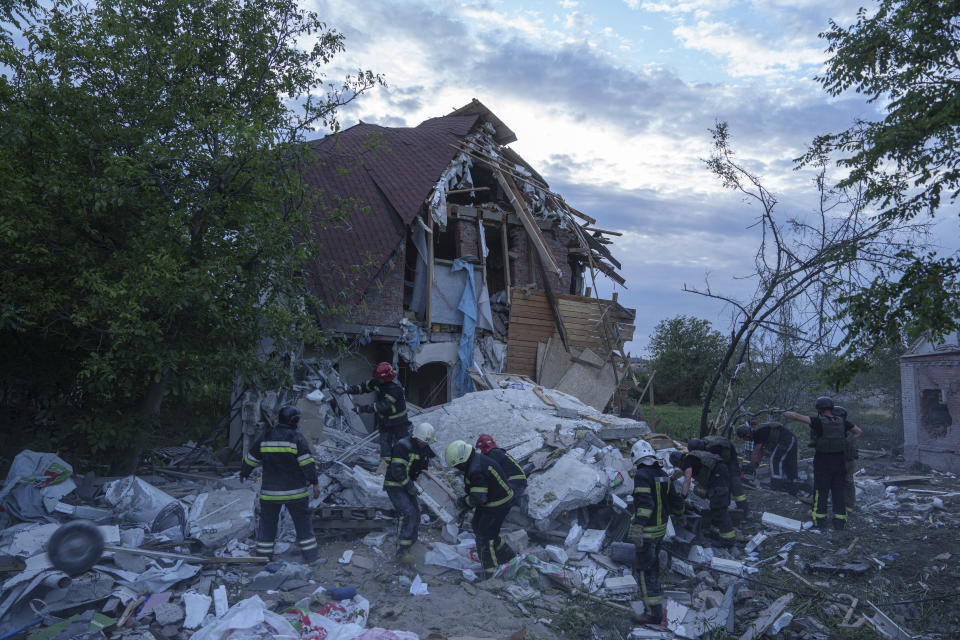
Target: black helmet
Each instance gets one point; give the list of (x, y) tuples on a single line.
[(823, 403), (840, 412), (744, 432), (696, 444), (676, 458), (289, 415)]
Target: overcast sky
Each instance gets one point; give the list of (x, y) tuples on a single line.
[(611, 102)]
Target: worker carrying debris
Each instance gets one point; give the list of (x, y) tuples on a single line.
[(829, 436), (654, 498), (288, 469), (389, 408), (713, 483), (409, 457), (782, 445), (516, 477), (852, 454), (489, 493), (720, 446)]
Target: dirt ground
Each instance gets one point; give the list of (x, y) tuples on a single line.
[(906, 548)]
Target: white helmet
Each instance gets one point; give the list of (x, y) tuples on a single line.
[(643, 452), (424, 432)]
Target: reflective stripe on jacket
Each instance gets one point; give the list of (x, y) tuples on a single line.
[(654, 499), (288, 465), (406, 462), (516, 478), (485, 482)]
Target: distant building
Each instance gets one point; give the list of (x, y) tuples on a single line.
[(930, 383)]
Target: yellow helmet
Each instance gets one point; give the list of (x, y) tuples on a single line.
[(458, 452)]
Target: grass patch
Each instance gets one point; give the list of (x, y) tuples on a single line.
[(680, 423)]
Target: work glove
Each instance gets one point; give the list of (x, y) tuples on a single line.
[(462, 503), (364, 408), (411, 489)]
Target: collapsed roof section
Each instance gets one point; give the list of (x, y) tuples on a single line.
[(427, 233)]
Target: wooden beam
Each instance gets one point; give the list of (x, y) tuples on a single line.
[(476, 189), (591, 229), (504, 241), (528, 221), (610, 273), (430, 240)]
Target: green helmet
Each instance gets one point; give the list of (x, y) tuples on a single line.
[(458, 452)]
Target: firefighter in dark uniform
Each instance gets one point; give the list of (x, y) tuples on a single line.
[(654, 499), (713, 482), (782, 445), (408, 459), (720, 446), (489, 493), (389, 408), (851, 457), (516, 477), (288, 472), (829, 435)]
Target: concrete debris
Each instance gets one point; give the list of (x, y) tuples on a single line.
[(592, 540), (787, 524), (573, 481)]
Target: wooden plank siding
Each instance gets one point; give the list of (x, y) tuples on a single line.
[(531, 322)]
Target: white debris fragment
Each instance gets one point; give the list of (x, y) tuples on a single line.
[(780, 522), (346, 557), (573, 536), (592, 540)]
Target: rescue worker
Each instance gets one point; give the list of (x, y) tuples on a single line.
[(389, 408), (720, 446), (782, 445), (713, 483), (490, 495), (409, 457), (829, 435), (852, 454), (288, 470), (654, 499), (516, 478)]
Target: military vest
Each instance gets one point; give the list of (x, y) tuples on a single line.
[(833, 439), (720, 446), (775, 431), (707, 463)]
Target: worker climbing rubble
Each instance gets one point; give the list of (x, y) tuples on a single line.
[(389, 408), (654, 498), (516, 477), (490, 495), (409, 457), (288, 470)]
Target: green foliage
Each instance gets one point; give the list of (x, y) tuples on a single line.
[(678, 422), (685, 352), (903, 56), (151, 225)]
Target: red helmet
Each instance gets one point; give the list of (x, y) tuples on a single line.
[(485, 443), (384, 371)]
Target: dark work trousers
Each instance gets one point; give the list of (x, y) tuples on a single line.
[(783, 463), (736, 485), (849, 487), (647, 565), (719, 495), (829, 470), (408, 517), (302, 521), (389, 437), (491, 549)]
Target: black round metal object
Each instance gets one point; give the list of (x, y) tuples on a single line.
[(75, 547)]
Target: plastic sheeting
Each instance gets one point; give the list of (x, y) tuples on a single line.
[(34, 485), (468, 305), (135, 500)]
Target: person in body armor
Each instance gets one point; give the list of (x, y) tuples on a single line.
[(409, 457), (782, 444), (720, 446), (829, 435), (490, 495), (654, 499), (850, 459), (516, 478), (713, 482), (288, 470), (389, 408)]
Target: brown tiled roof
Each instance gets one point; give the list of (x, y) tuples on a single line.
[(389, 170)]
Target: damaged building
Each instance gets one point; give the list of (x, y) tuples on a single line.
[(457, 262), (930, 382)]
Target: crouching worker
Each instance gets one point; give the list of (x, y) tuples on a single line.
[(654, 498), (408, 459), (516, 478), (720, 446), (713, 481), (288, 470), (490, 495)]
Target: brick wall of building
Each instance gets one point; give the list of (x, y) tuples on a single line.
[(383, 300), (468, 241), (557, 241)]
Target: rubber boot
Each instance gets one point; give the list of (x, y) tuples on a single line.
[(745, 508), (654, 616), (838, 524), (405, 558)]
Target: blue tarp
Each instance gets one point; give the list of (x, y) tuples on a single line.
[(468, 305)]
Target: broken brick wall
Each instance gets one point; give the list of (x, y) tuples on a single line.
[(520, 266), (468, 241), (931, 410)]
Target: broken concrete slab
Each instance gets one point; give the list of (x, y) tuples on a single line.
[(767, 618), (567, 485), (787, 524)]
